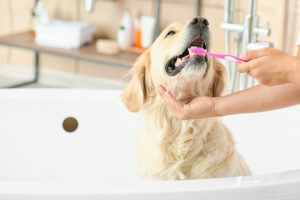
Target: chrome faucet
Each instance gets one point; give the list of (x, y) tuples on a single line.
[(246, 37)]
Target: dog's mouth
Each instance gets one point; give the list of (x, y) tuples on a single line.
[(177, 63)]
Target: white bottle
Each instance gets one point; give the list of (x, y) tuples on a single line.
[(122, 37), (127, 23), (41, 16), (148, 25)]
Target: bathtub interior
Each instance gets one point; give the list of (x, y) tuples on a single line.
[(269, 141), (34, 146)]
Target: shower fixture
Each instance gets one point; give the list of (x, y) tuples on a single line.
[(245, 40)]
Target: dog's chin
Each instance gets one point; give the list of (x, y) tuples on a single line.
[(195, 64)]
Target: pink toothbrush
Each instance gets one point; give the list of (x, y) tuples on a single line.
[(200, 51)]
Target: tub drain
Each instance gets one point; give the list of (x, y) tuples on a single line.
[(70, 124)]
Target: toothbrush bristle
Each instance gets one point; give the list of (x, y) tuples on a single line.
[(197, 50)]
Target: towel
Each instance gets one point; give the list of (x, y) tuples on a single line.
[(64, 34)]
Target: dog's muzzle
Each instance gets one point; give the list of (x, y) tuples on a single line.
[(198, 37)]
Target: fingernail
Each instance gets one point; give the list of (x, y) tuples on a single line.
[(160, 89), (169, 94)]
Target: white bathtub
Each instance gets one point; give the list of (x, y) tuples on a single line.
[(39, 160)]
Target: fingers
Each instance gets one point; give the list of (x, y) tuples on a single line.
[(171, 102), (247, 67), (251, 66), (255, 54), (169, 99), (244, 67), (198, 107), (161, 89)]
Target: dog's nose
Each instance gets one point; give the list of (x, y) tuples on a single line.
[(199, 21)]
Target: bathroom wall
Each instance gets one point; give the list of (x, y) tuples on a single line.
[(292, 26), (15, 16)]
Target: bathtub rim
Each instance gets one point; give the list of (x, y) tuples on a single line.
[(273, 180)]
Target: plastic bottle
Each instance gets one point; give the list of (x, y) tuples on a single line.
[(147, 25), (127, 23), (122, 37), (40, 14), (138, 33)]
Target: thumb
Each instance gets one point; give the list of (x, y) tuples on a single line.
[(254, 54)]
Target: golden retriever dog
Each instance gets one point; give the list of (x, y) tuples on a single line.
[(168, 148)]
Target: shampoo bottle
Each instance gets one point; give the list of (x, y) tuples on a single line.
[(122, 37), (138, 33), (127, 23)]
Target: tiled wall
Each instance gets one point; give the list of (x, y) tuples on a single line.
[(15, 15)]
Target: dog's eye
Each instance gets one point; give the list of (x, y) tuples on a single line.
[(170, 33)]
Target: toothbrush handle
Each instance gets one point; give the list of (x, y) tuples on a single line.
[(222, 56), (233, 58), (230, 58)]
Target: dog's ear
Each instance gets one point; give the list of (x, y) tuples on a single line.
[(135, 94), (219, 79)]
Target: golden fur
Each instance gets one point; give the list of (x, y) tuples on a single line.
[(169, 148)]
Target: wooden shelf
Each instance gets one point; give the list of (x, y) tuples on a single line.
[(86, 53)]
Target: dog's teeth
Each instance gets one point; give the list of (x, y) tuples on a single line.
[(190, 53), (178, 62)]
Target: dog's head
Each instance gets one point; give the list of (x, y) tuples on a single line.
[(168, 62)]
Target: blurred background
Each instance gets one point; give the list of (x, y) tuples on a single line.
[(105, 61)]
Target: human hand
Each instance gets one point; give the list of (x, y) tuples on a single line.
[(199, 107), (270, 66)]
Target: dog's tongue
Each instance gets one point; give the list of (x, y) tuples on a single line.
[(179, 61)]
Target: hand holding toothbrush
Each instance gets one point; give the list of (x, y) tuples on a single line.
[(271, 66)]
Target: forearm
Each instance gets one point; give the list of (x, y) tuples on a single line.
[(257, 99), (294, 76), (294, 72)]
